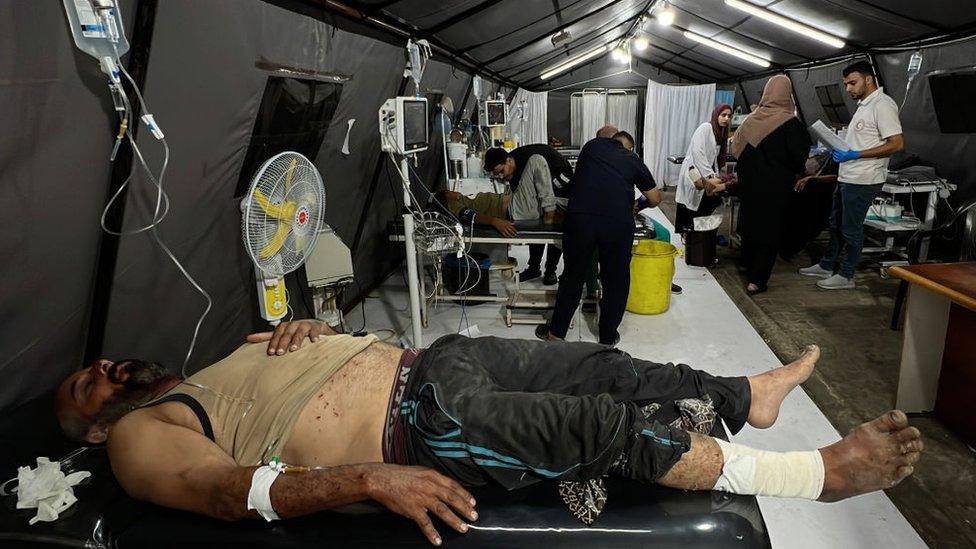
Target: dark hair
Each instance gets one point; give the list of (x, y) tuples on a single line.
[(494, 157), (862, 67), (624, 135)]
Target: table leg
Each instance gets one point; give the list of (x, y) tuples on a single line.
[(926, 321)]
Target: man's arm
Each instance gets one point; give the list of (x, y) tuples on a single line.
[(176, 467), (893, 144)]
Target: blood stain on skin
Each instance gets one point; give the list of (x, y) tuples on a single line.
[(318, 417)]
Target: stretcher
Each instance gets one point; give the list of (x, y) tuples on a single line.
[(536, 302), (105, 517)]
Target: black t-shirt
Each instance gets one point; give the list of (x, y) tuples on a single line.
[(606, 174), (559, 167)]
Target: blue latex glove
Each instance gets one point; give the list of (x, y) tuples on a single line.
[(643, 203), (844, 156)]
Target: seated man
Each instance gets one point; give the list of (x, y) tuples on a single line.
[(357, 419)]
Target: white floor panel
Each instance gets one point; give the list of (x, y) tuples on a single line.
[(705, 329)]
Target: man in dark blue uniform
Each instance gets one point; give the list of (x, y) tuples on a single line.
[(600, 217), (510, 166)]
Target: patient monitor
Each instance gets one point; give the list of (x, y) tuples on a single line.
[(494, 113), (404, 125)]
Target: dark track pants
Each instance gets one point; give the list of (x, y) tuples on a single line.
[(513, 412), (613, 240), (551, 252)]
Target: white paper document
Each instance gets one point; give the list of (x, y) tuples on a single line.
[(827, 136)]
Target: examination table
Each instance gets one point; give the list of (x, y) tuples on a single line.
[(635, 515)]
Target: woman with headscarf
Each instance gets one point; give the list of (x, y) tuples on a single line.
[(771, 146), (706, 153)]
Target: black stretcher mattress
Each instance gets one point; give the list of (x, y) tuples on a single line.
[(635, 515)]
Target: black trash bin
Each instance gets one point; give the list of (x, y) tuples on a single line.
[(700, 247), (462, 274)]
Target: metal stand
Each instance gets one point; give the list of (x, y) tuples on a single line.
[(412, 271)]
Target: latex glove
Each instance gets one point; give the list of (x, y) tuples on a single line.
[(47, 489), (844, 156), (642, 203)]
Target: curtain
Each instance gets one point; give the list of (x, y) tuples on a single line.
[(576, 120), (528, 117), (671, 115), (622, 112), (594, 115), (725, 97)]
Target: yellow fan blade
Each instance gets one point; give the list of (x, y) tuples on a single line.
[(276, 242), (283, 211), (289, 174)]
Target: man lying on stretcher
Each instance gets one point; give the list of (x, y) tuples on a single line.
[(356, 419), (533, 199)]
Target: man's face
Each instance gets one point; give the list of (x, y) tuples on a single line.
[(505, 170), (106, 390), (723, 119), (857, 85)]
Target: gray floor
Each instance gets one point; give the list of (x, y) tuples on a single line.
[(856, 378)]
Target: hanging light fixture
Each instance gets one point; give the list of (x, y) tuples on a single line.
[(579, 59), (665, 16), (787, 23), (622, 54), (641, 43), (765, 63)]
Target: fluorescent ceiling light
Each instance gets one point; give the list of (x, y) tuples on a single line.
[(566, 65), (727, 49), (621, 54), (665, 17), (787, 23), (641, 43)]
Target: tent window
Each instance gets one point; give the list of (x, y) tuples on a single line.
[(832, 101), (952, 96), (295, 115)]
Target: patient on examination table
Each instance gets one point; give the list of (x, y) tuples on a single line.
[(497, 210)]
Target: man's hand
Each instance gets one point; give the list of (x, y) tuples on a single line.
[(802, 183), (504, 226), (714, 185), (844, 156), (289, 336), (414, 492)]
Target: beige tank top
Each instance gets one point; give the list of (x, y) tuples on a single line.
[(253, 400)]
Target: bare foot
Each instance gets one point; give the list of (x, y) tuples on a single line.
[(875, 456), (549, 217), (769, 389)]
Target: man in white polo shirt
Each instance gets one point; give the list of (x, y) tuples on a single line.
[(873, 135)]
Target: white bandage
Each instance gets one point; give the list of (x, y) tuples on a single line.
[(259, 498), (760, 473)]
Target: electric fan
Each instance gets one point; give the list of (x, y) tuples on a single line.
[(282, 213)]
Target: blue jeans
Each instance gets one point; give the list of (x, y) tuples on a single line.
[(850, 207)]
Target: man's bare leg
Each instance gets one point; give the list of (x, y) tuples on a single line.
[(875, 456), (770, 388)]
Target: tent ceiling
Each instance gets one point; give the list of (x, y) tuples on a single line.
[(512, 37)]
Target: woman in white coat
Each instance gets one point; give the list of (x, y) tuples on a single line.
[(706, 154)]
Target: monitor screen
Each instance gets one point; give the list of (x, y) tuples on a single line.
[(952, 96), (414, 125), (496, 113)]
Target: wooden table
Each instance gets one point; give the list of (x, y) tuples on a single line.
[(938, 362)]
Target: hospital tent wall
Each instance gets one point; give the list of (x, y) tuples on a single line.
[(206, 93), (55, 140), (953, 154)]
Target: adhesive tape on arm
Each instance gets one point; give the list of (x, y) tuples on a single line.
[(259, 497)]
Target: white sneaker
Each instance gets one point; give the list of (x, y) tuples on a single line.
[(837, 282), (817, 271)]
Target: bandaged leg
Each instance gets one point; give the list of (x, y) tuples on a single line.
[(757, 472)]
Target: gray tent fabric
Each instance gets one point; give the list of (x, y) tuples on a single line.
[(205, 94), (54, 177)]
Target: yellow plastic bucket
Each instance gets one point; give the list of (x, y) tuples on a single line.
[(651, 271)]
